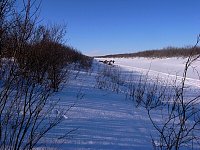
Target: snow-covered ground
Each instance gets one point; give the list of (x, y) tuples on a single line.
[(164, 68), (102, 119)]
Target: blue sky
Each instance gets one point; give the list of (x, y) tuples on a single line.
[(99, 27)]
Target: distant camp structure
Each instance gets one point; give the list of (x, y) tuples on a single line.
[(108, 62)]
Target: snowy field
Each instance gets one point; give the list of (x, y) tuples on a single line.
[(166, 68), (102, 119)]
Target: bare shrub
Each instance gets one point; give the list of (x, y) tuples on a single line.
[(24, 111), (109, 77), (34, 63), (5, 11), (179, 121)]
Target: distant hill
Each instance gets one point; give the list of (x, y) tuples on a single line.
[(160, 53)]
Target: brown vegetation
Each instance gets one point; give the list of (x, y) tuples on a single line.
[(162, 53), (33, 64)]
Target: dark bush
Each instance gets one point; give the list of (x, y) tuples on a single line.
[(33, 64)]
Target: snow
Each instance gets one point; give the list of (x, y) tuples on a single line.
[(167, 68), (102, 119)]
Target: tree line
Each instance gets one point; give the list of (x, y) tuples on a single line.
[(160, 53)]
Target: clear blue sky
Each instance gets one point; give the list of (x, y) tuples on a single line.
[(98, 27)]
